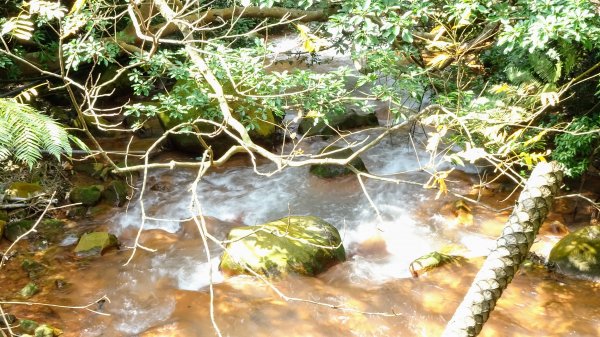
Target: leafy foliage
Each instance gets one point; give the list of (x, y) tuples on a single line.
[(25, 133), (579, 144)]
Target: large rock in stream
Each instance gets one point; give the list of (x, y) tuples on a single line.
[(304, 245), (579, 253), (95, 243)]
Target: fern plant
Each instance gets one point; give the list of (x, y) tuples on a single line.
[(25, 134)]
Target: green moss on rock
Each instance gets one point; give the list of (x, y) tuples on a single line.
[(24, 190), (29, 290), (45, 331), (115, 193), (332, 171), (27, 325), (579, 253), (305, 245), (15, 229), (87, 196), (95, 243), (49, 229)]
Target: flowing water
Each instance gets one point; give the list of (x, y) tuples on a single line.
[(166, 292)]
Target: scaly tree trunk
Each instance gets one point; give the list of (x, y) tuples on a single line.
[(511, 249)]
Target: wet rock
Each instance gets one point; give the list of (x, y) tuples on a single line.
[(332, 171), (52, 230), (27, 325), (77, 212), (95, 243), (305, 245), (48, 229), (578, 253), (87, 196), (23, 190), (115, 193), (14, 229), (29, 290), (347, 121)]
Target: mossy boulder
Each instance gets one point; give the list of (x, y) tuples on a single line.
[(332, 171), (259, 121), (579, 253), (14, 229), (2, 225), (304, 245), (346, 121), (87, 196), (95, 243), (115, 193), (52, 230), (49, 229), (23, 190)]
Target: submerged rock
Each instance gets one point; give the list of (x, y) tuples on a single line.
[(33, 268), (27, 325), (305, 245), (95, 243), (45, 330), (578, 253), (7, 318), (332, 171), (29, 290), (87, 196)]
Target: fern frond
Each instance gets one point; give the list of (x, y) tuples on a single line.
[(545, 68), (517, 75), (25, 133)]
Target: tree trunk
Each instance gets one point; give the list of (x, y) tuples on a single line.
[(511, 249)]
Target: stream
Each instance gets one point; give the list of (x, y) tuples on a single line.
[(166, 292)]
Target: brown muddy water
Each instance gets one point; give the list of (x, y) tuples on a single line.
[(165, 293)]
